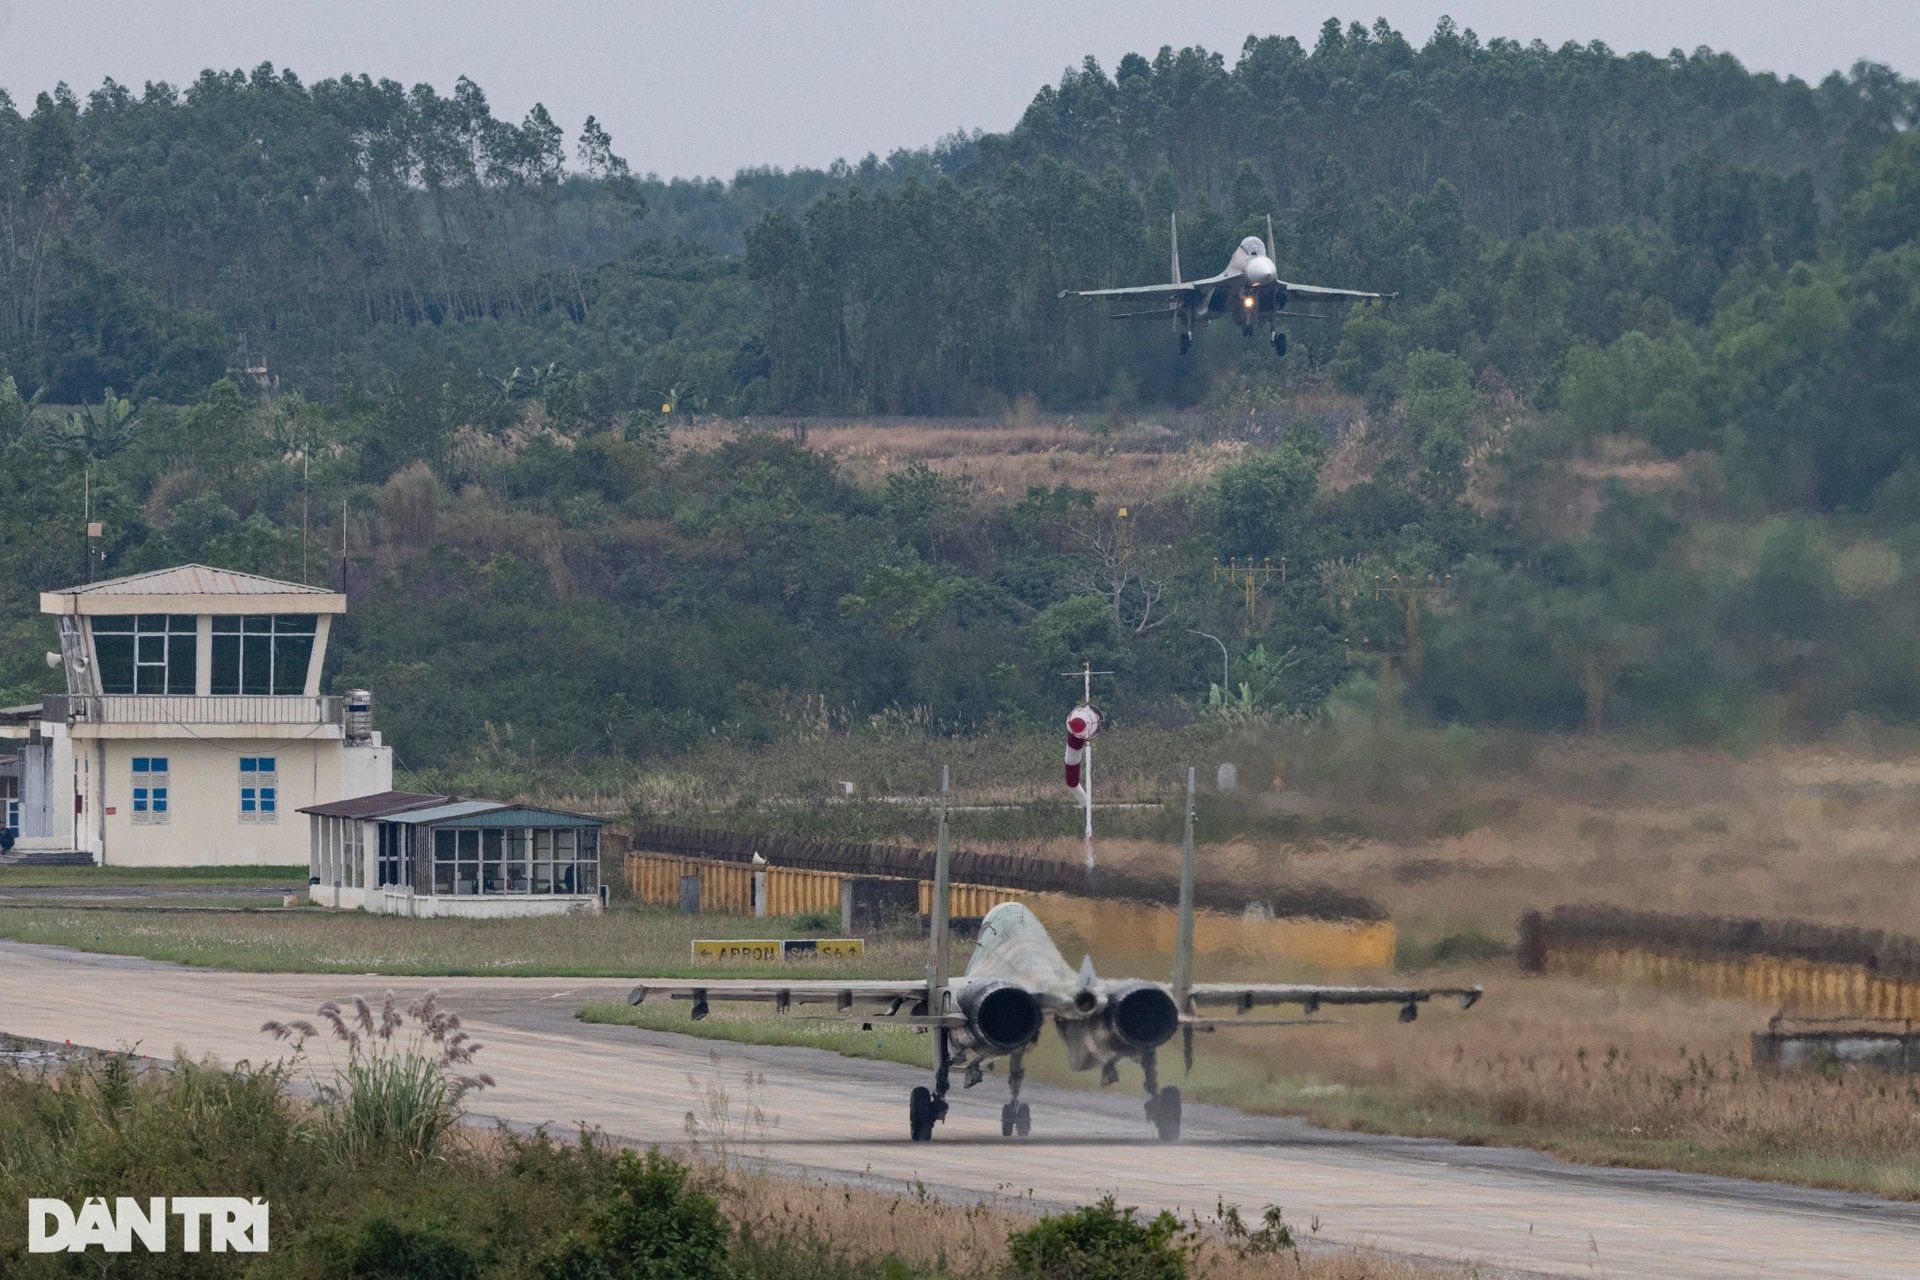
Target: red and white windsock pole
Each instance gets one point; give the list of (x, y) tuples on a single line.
[(1082, 723)]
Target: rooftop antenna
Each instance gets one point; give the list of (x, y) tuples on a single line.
[(1086, 675), (93, 527), (304, 581)]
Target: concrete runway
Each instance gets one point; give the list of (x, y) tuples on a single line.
[(844, 1118)]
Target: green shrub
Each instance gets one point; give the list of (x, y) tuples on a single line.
[(1100, 1242), (383, 1250), (814, 922), (652, 1225), (1459, 947), (1272, 1236)]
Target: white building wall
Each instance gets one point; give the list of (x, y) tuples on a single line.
[(204, 825), (485, 906)]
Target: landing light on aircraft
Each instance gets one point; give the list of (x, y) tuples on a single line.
[(1247, 302)]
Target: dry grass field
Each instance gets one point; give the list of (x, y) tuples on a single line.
[(1803, 833), (1124, 464)]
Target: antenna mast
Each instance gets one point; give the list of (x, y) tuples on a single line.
[(937, 910), (304, 581), (94, 530)]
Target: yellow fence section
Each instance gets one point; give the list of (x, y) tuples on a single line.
[(1324, 944), (727, 887), (971, 901), (1805, 986)]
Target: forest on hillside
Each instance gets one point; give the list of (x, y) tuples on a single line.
[(1636, 449)]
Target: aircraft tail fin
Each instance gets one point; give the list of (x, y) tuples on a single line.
[(1173, 238), (1183, 930), (938, 930), (1273, 250)]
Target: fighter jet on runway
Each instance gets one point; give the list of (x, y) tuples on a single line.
[(1017, 982), (1250, 290)]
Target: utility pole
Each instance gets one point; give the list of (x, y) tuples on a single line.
[(1225, 691), (937, 910), (1183, 928), (1086, 675)]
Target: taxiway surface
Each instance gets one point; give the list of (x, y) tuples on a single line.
[(846, 1118)]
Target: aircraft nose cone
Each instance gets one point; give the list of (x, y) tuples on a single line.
[(1262, 271)]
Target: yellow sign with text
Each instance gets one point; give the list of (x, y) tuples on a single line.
[(757, 949), (824, 948), (766, 950)]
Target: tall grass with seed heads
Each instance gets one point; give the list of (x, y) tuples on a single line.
[(402, 1085)]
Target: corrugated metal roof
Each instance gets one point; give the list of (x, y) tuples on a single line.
[(413, 807), (380, 804), (458, 809), (193, 580), (520, 815)]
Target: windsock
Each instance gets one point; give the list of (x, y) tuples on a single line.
[(1082, 723)]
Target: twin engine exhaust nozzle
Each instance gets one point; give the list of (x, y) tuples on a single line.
[(1001, 1017), (1139, 1015)]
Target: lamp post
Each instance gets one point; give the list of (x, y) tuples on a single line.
[(1225, 691)]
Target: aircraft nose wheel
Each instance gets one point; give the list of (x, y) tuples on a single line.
[(920, 1113), (1279, 344), (1163, 1108), (1015, 1118), (1186, 340)]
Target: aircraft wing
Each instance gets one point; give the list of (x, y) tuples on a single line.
[(1169, 292), (1243, 996), (890, 994), (1320, 293)]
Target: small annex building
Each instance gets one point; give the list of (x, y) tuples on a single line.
[(413, 854), (192, 725)]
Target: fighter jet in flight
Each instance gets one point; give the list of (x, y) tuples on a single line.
[(1248, 292), (1017, 982)]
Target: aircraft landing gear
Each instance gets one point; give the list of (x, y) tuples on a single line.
[(1015, 1117), (920, 1113), (1163, 1105), (1186, 340), (927, 1107), (1279, 343)]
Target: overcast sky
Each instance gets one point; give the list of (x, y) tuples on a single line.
[(707, 87)]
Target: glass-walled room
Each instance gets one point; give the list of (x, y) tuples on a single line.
[(470, 859)]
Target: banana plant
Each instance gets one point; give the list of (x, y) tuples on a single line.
[(101, 432)]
